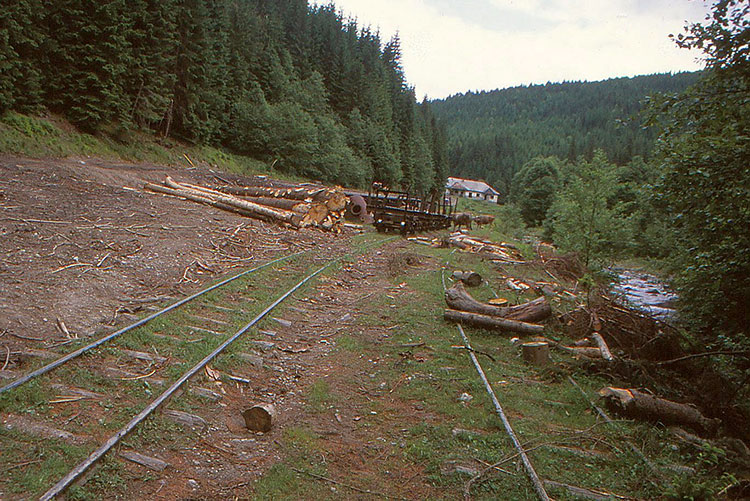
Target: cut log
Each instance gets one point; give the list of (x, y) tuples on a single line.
[(281, 203), (298, 193), (204, 200), (493, 323), (297, 205), (259, 417), (582, 351), (536, 353), (276, 214), (637, 405), (533, 311), (470, 278), (603, 348)]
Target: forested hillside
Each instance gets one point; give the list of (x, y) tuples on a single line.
[(492, 134), (279, 81)]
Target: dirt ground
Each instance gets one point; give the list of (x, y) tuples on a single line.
[(82, 244), (354, 441)]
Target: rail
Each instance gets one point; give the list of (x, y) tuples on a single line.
[(70, 356)]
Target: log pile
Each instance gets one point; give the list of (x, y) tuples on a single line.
[(499, 252), (462, 308), (502, 252), (298, 206)]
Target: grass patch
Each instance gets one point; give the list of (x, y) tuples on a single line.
[(51, 136), (566, 443), (319, 398), (32, 465), (301, 450)]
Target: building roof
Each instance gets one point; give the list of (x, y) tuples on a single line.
[(457, 183)]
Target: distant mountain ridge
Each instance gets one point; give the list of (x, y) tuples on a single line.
[(491, 134)]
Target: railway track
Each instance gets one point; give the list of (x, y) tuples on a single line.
[(106, 387)]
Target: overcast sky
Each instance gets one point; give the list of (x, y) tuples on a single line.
[(452, 46)]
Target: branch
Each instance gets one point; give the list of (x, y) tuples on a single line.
[(743, 353)]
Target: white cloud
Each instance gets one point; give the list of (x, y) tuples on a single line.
[(449, 49)]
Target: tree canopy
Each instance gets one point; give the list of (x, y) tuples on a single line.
[(491, 135), (277, 80), (705, 148)]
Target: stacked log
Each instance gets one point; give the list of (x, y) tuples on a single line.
[(501, 252), (464, 308), (298, 206)]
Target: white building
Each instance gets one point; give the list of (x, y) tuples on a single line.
[(468, 188)]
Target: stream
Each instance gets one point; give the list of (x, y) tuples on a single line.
[(646, 292)]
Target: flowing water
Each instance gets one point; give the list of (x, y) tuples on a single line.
[(647, 293)]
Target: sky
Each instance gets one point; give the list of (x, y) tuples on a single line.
[(453, 46)]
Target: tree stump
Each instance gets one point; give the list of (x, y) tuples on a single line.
[(470, 278), (259, 417), (536, 353)]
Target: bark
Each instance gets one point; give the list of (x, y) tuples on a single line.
[(584, 351), (281, 203), (635, 404), (492, 323), (299, 193), (533, 311), (204, 200)]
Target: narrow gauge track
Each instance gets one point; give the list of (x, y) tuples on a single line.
[(90, 362), (530, 471), (70, 356)]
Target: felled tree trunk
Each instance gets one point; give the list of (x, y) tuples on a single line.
[(280, 203), (635, 404), (299, 193), (493, 323), (603, 348), (270, 212), (204, 200), (533, 311)]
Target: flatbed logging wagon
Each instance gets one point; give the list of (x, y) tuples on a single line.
[(398, 212)]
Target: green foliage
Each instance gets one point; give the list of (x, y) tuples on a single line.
[(22, 36), (584, 216), (288, 82), (534, 188), (492, 134), (706, 186)]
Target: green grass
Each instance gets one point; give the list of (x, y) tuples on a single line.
[(547, 413), (319, 398), (301, 449), (51, 136)]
